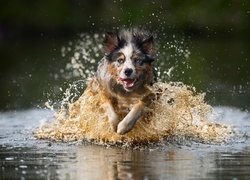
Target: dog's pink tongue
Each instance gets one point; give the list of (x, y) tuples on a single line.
[(128, 82)]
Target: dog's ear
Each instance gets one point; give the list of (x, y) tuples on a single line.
[(148, 45), (111, 42)]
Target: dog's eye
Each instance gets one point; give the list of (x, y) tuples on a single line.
[(138, 61), (120, 60)]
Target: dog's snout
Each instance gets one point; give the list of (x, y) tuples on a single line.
[(128, 71)]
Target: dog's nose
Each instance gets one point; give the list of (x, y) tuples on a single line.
[(128, 71)]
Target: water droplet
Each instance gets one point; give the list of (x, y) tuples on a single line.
[(9, 158)]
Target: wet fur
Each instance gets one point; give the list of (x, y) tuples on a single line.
[(133, 50)]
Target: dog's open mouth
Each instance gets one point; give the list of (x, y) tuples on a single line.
[(128, 83)]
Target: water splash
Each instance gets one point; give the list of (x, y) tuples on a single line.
[(175, 55), (82, 55), (179, 110)]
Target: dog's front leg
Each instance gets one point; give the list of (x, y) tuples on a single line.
[(112, 116), (129, 121)]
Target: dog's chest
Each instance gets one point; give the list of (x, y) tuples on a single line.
[(125, 104)]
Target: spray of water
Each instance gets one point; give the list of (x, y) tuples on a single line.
[(179, 111)]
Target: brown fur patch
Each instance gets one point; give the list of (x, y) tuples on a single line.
[(110, 42), (135, 55), (147, 72), (112, 70)]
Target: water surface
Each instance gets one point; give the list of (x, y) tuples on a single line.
[(24, 157)]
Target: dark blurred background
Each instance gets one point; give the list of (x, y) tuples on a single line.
[(216, 32)]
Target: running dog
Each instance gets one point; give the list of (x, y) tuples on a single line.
[(124, 75)]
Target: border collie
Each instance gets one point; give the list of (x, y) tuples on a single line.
[(124, 74)]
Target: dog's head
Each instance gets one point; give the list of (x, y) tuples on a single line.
[(130, 55)]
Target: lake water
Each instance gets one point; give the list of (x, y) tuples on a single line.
[(24, 157)]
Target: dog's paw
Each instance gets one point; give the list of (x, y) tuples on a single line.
[(124, 127)]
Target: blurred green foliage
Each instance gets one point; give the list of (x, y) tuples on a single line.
[(215, 31), (225, 16)]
